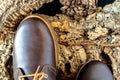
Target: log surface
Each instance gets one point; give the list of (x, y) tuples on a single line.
[(96, 37)]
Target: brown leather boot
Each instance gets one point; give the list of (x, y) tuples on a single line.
[(35, 50), (95, 70)]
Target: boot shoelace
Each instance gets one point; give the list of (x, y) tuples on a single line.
[(37, 76)]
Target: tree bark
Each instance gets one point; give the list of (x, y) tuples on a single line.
[(96, 37)]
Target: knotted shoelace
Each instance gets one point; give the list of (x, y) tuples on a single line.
[(37, 76)]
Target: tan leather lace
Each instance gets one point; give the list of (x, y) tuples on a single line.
[(37, 76)]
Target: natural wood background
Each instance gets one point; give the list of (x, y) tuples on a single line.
[(94, 37)]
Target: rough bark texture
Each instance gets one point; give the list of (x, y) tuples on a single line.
[(78, 9), (97, 37), (12, 11)]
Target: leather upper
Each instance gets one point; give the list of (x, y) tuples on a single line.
[(95, 70), (33, 46)]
